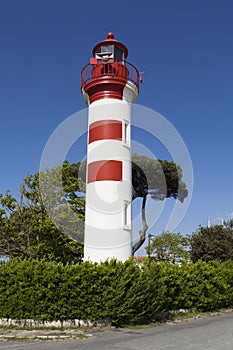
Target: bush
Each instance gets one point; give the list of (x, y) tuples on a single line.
[(201, 286), (122, 292)]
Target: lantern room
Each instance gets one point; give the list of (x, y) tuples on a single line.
[(108, 72), (110, 49)]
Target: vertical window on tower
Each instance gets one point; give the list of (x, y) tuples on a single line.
[(127, 215), (126, 133)]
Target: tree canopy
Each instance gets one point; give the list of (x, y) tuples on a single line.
[(157, 178), (212, 243), (170, 247), (26, 230)]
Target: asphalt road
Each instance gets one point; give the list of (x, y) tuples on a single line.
[(212, 333)]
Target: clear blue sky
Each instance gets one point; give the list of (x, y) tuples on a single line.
[(185, 47)]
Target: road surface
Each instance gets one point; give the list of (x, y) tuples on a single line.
[(211, 333)]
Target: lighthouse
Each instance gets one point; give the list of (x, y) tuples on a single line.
[(109, 86)]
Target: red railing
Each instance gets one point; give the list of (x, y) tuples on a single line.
[(112, 68)]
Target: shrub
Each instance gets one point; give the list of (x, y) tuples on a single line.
[(125, 293)]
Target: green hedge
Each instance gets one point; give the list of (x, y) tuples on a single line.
[(200, 286), (123, 292)]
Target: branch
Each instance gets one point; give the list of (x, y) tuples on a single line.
[(142, 232)]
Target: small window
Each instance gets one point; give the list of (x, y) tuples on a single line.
[(126, 133), (107, 48), (105, 53), (127, 215), (118, 53)]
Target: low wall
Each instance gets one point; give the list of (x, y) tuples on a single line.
[(56, 324)]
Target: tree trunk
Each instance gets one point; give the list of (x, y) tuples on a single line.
[(142, 232)]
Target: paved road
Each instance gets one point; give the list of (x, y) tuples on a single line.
[(214, 333)]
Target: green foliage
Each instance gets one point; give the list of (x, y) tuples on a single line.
[(201, 286), (212, 243), (159, 178), (62, 196), (26, 230), (136, 295), (124, 293), (171, 247)]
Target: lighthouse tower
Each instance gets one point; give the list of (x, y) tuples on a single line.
[(109, 85)]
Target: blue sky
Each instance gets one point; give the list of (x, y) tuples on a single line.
[(186, 49)]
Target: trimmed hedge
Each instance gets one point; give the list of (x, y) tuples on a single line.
[(199, 286), (122, 292)]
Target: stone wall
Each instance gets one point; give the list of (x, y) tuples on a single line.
[(55, 324)]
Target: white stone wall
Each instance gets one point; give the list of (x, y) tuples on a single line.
[(57, 324)]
